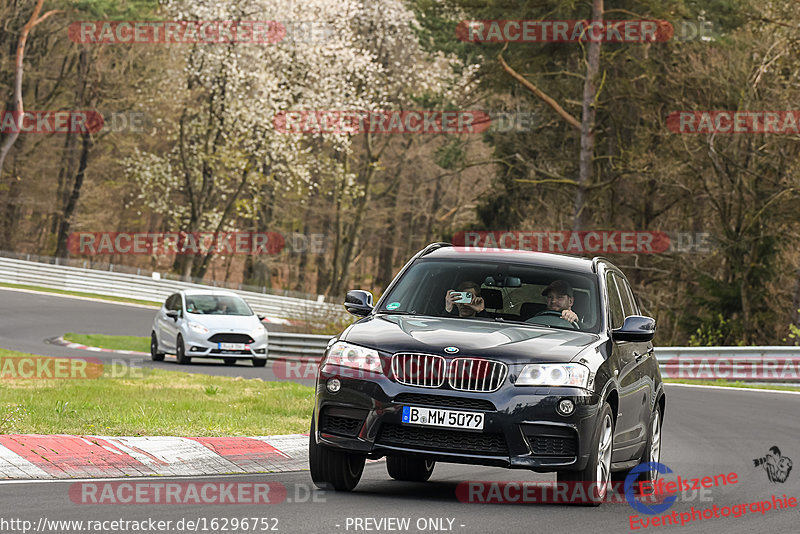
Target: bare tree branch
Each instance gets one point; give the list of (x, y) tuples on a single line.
[(538, 92)]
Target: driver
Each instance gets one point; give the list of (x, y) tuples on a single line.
[(474, 309), (560, 299)]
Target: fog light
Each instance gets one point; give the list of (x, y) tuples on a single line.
[(565, 407), (334, 385), (195, 348)]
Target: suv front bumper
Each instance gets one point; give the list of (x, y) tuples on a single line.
[(522, 428)]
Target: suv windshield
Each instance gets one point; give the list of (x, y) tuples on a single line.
[(510, 291), (216, 305)]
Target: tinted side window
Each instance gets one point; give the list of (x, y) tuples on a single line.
[(614, 302), (173, 302), (629, 306)]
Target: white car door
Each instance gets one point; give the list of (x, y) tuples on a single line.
[(168, 326)]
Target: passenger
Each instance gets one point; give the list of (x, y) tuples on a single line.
[(560, 298), (474, 309)]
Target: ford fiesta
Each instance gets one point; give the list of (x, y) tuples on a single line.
[(501, 358), (198, 323)]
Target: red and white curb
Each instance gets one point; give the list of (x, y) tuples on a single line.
[(32, 456), (60, 341)]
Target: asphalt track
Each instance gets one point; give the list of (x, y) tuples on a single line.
[(706, 432)]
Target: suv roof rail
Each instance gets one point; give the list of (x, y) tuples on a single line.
[(598, 259), (433, 246)]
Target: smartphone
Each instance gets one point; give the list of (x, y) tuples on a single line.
[(464, 298)]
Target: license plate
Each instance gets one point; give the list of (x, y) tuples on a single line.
[(230, 346), (414, 415)]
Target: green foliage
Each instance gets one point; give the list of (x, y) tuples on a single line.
[(449, 155), (713, 333), (794, 332), (116, 10)]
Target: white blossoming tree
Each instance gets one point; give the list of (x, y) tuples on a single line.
[(222, 162)]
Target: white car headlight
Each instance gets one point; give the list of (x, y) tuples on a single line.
[(260, 330), (347, 355), (197, 328), (554, 374)]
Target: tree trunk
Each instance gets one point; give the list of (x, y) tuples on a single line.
[(256, 270), (586, 162), (66, 200), (353, 234), (69, 210), (199, 271), (796, 299), (11, 212), (35, 19), (302, 264)]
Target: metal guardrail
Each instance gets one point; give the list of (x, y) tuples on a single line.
[(746, 364), (133, 286), (297, 346)]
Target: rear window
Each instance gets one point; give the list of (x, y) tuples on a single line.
[(509, 291)]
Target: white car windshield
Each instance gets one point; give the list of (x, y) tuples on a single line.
[(217, 305)]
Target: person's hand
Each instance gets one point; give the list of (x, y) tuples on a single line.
[(477, 304), (449, 299), (569, 315)]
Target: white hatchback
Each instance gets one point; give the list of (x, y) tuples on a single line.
[(208, 324)]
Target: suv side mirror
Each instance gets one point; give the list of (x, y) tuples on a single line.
[(358, 302), (173, 314), (636, 328)]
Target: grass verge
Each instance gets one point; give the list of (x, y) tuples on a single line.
[(729, 384), (151, 402), (80, 294), (137, 343)]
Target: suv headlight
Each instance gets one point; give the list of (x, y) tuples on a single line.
[(197, 328), (554, 374), (355, 357)]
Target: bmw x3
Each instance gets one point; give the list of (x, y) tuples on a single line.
[(512, 359)]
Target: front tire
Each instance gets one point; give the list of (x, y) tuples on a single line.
[(180, 352), (410, 468), (651, 453), (333, 469), (258, 362), (596, 476), (154, 354)]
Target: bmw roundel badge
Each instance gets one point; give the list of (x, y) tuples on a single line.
[(451, 350)]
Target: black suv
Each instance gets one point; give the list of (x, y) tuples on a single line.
[(516, 385)]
